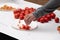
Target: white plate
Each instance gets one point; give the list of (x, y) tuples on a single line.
[(33, 24)]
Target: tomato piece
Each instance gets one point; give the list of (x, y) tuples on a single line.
[(26, 8), (21, 17), (27, 27), (16, 11), (52, 15), (26, 12), (46, 19), (42, 20), (23, 12), (16, 16), (23, 26), (48, 16), (19, 10), (57, 20)]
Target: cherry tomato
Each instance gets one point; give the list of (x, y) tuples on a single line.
[(19, 10), (42, 20), (15, 11), (48, 16), (31, 10), (52, 15), (21, 17), (23, 12), (46, 19), (16, 15), (26, 12), (57, 20), (26, 8), (27, 27)]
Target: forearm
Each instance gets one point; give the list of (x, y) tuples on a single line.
[(48, 7)]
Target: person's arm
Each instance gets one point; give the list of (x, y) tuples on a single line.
[(48, 7)]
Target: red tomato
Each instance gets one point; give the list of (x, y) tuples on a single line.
[(42, 20), (31, 10), (16, 15), (27, 27), (26, 12), (23, 26), (26, 8), (15, 11), (21, 17), (48, 16), (46, 19), (23, 12), (52, 15), (57, 20), (19, 10)]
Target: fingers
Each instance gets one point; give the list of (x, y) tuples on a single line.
[(29, 18)]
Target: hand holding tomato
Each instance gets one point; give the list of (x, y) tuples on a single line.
[(29, 18)]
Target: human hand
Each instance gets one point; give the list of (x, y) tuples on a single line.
[(29, 18)]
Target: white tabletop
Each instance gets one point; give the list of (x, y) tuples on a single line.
[(45, 31)]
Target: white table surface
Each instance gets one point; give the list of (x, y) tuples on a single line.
[(46, 31)]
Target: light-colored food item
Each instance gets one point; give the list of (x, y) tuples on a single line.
[(7, 8)]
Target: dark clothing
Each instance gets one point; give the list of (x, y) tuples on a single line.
[(47, 8)]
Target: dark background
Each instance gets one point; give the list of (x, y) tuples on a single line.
[(6, 37)]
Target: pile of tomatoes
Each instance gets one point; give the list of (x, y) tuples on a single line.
[(20, 13), (48, 17)]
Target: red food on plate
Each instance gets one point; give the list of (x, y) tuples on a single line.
[(42, 20), (25, 27), (23, 12), (52, 15), (26, 12), (48, 16), (21, 17), (57, 20), (15, 11), (46, 19), (16, 16), (26, 8), (31, 10)]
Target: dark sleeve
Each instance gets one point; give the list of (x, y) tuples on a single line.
[(48, 7)]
